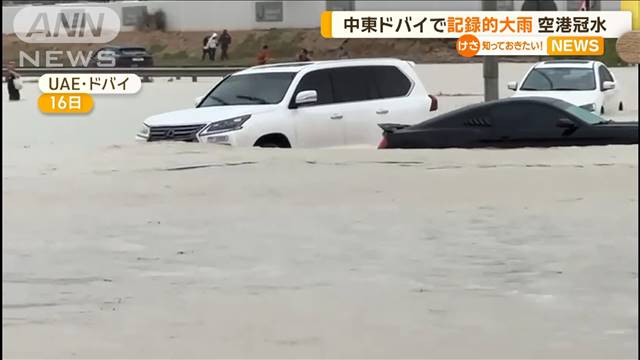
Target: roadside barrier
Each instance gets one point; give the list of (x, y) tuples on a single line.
[(193, 72)]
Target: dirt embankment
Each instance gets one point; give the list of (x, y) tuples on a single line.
[(184, 48)]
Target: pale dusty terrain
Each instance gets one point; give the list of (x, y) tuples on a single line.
[(116, 249)]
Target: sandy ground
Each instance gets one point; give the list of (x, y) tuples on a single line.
[(116, 249), (173, 48)]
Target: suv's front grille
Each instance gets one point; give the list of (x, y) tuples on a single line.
[(177, 133)]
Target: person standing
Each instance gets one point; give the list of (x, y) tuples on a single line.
[(303, 55), (205, 47), (224, 41), (343, 53), (14, 83), (264, 55), (212, 45)]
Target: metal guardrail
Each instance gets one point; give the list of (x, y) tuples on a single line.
[(192, 72)]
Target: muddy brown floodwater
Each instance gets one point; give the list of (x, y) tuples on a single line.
[(116, 249)]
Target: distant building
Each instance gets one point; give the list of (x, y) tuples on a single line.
[(242, 15)]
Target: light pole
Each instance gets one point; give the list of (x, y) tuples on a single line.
[(490, 63)]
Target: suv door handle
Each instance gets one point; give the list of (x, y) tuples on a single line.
[(336, 117), (382, 111)]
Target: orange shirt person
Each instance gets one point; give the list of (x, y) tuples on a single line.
[(264, 55)]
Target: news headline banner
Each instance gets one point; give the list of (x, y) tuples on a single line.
[(487, 32)]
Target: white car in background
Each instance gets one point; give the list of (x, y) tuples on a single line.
[(584, 83), (310, 104)]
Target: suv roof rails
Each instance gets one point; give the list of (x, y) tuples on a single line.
[(569, 61)]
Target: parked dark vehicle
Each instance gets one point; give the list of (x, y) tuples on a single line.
[(508, 123), (125, 56)]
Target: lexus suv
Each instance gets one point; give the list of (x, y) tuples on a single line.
[(310, 104)]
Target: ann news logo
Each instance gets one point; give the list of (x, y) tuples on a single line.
[(66, 24)]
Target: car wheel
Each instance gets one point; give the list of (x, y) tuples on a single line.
[(273, 141), (620, 107)]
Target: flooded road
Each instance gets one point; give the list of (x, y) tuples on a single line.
[(115, 249)]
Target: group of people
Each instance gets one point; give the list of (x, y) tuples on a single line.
[(264, 55), (304, 55), (211, 42)]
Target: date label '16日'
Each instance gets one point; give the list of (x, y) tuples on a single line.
[(65, 103)]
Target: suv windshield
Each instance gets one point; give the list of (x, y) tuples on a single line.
[(546, 79), (250, 89)]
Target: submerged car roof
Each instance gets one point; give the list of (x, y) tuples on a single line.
[(489, 104), (589, 64), (543, 99), (322, 64)]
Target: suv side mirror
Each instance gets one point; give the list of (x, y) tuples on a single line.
[(198, 100), (565, 123), (512, 85), (306, 97), (608, 85)]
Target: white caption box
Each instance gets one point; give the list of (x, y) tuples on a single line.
[(90, 83)]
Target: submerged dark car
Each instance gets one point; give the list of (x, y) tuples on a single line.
[(508, 123), (121, 56)]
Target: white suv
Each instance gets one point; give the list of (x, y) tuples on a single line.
[(312, 104), (584, 83)]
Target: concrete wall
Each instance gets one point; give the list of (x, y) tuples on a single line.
[(201, 15), (193, 16), (469, 5), (419, 5), (235, 15), (8, 14), (240, 15)]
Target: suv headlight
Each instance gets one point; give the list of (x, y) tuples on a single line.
[(589, 107), (226, 125), (144, 131)]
